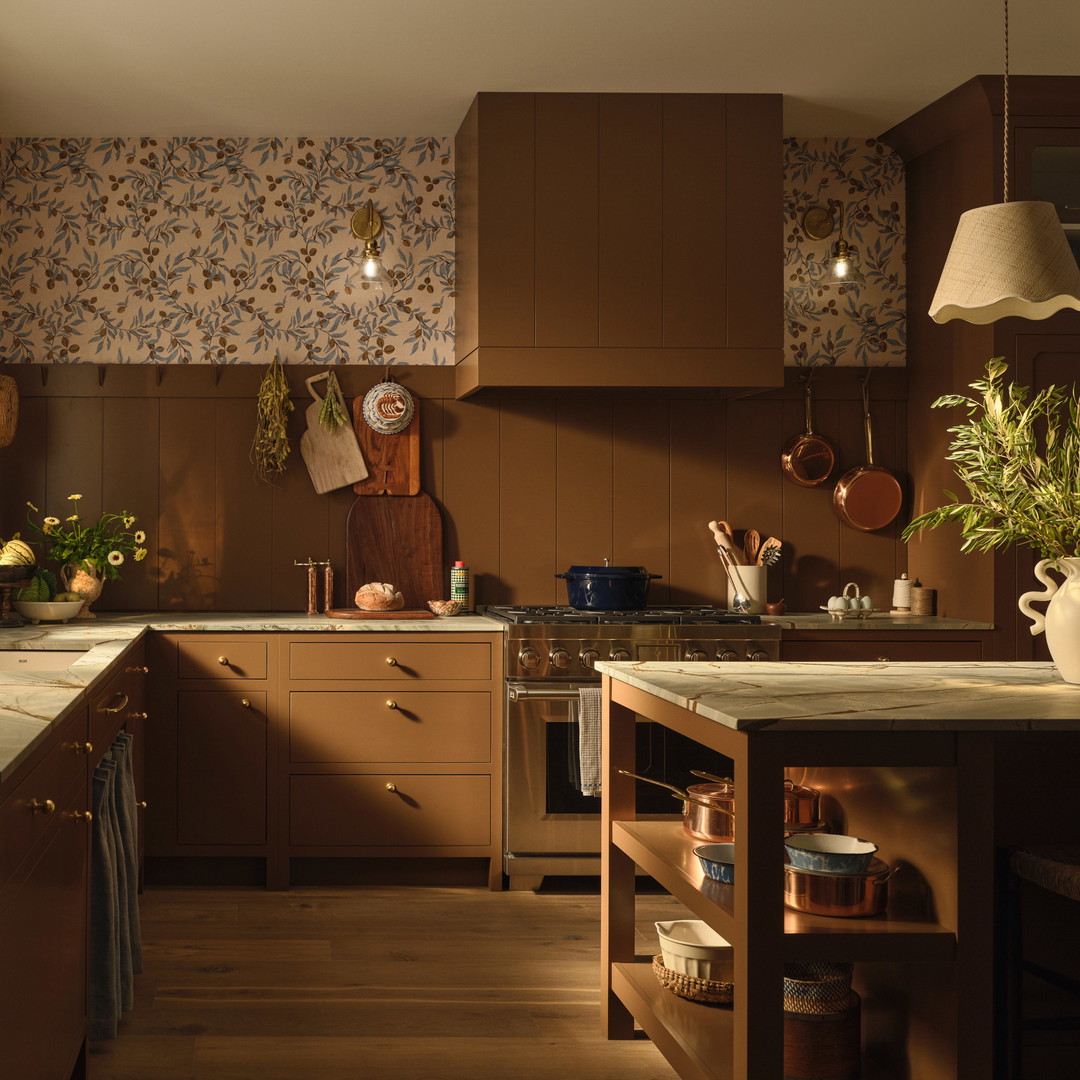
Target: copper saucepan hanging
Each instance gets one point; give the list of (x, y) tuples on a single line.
[(808, 460), (867, 497)]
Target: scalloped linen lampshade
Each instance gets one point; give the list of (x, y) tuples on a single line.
[(1011, 258)]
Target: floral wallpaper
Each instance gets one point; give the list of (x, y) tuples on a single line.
[(204, 250), (845, 327)]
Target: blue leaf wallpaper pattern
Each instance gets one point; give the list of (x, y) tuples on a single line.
[(204, 250), (845, 327)]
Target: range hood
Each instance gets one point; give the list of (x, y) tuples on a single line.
[(620, 240)]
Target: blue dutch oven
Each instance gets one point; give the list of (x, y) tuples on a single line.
[(607, 588)]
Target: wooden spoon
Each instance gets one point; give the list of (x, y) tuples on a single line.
[(751, 546)]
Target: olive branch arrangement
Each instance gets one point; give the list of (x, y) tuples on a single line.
[(1020, 462)]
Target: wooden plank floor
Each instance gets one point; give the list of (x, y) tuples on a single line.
[(396, 982)]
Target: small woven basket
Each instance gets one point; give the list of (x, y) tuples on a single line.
[(704, 991), (817, 988)]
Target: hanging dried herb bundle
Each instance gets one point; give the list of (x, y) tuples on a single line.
[(270, 447), (331, 413)]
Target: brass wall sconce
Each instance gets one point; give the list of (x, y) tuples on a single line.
[(366, 224), (818, 223)]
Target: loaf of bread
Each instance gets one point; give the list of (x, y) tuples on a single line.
[(378, 596)]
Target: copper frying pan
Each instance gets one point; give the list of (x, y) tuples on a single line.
[(808, 459), (867, 497)]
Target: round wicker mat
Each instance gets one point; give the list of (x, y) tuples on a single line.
[(703, 991)]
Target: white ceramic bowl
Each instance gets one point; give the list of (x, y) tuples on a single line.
[(829, 852), (692, 947), (51, 611)]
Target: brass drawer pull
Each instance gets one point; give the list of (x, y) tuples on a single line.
[(46, 807), (883, 659), (223, 661), (137, 669), (391, 787), (137, 716), (245, 703), (83, 815), (391, 661), (142, 805), (81, 747), (123, 699), (391, 704)]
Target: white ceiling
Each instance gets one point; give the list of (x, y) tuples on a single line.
[(356, 67)]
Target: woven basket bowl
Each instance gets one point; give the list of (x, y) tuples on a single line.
[(703, 991), (816, 988)]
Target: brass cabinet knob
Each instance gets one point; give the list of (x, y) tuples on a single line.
[(391, 661), (83, 815), (391, 787), (391, 704), (137, 716), (137, 669), (82, 747), (883, 659), (223, 661), (46, 807), (245, 703), (142, 804)]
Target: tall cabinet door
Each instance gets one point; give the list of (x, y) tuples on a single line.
[(221, 748)]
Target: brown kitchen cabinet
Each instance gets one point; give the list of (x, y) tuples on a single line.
[(619, 240), (908, 645), (391, 747), (927, 1001), (43, 910), (208, 751)]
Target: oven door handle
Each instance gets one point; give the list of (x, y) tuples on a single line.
[(523, 692)]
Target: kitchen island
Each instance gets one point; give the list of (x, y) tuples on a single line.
[(943, 766)]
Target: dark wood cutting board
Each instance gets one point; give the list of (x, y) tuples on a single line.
[(397, 539), (393, 461)]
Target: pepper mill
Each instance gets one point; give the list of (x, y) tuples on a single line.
[(312, 585), (328, 587)]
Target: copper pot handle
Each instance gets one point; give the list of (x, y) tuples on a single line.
[(679, 793), (710, 776)]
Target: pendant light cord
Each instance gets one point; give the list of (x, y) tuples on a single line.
[(1005, 154)]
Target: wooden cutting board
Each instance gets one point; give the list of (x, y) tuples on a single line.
[(396, 539), (333, 458), (393, 460)]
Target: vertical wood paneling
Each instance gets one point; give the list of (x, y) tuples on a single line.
[(630, 221), (809, 563), (641, 490), (299, 525), (583, 468), (242, 506), (566, 239), (23, 463), (471, 494), (698, 495), (695, 205), (754, 256), (130, 483), (187, 510), (73, 450), (505, 216), (526, 498)]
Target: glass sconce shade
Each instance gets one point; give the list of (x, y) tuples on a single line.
[(840, 269)]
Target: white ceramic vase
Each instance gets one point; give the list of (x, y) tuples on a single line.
[(1062, 619)]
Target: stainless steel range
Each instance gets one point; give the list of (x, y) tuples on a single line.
[(550, 826)]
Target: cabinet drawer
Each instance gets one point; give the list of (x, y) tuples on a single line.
[(52, 778), (221, 659), (361, 811), (407, 725), (389, 660), (112, 709), (912, 651)]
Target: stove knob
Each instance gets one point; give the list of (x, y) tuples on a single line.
[(728, 656), (760, 654), (529, 659), (588, 657), (619, 654), (560, 659), (695, 655)]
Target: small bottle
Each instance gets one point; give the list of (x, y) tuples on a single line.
[(459, 584)]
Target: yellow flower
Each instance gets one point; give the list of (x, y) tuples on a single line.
[(140, 554), (74, 517), (32, 507), (140, 537), (75, 497), (52, 521), (116, 558), (128, 522)]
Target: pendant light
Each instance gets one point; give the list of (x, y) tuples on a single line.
[(1011, 258), (840, 268)]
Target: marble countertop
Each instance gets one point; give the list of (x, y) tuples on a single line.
[(822, 620), (32, 700), (866, 696)]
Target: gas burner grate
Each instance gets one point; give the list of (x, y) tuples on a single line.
[(690, 615)]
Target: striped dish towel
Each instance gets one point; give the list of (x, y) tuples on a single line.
[(590, 717)]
